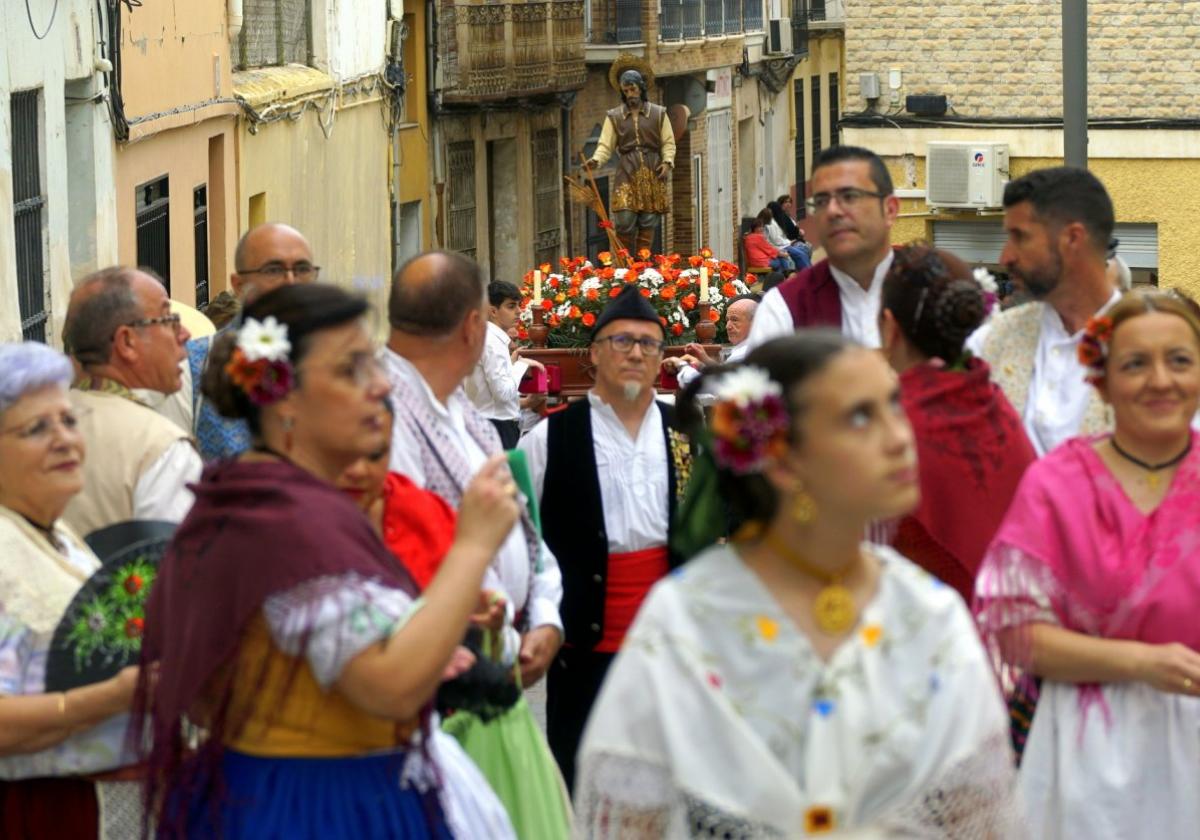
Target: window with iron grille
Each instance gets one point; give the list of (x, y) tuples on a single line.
[(275, 32), (752, 15), (200, 216), (814, 108), (547, 201), (460, 231), (801, 138), (29, 205), (714, 17), (153, 200), (834, 110), (733, 16)]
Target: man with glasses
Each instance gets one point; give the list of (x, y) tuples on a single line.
[(121, 333), (853, 208), (608, 471), (267, 257)]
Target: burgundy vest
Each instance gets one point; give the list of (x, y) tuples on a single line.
[(812, 297)]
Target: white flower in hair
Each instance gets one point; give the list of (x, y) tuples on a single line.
[(986, 280), (746, 385), (266, 339)]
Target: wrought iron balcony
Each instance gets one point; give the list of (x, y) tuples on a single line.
[(510, 50)]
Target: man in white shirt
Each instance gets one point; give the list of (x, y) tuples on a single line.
[(122, 334), (438, 317), (739, 318), (853, 209), (494, 384), (608, 471), (1059, 222)]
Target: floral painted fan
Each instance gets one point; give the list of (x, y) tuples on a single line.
[(101, 631)]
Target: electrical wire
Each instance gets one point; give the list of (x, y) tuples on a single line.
[(32, 26)]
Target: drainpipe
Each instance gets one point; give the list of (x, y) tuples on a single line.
[(234, 16)]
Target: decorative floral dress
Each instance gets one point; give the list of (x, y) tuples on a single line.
[(718, 719)]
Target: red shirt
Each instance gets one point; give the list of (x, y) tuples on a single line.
[(759, 252), (418, 527)]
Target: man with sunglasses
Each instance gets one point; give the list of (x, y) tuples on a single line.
[(122, 335), (608, 471), (268, 257), (853, 208)]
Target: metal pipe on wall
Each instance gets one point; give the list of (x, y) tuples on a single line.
[(1075, 82)]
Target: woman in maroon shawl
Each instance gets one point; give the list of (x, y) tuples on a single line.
[(290, 666), (971, 448)]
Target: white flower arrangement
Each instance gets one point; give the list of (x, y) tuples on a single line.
[(745, 386), (266, 339)]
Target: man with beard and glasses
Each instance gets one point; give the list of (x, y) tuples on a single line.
[(1059, 222), (853, 209)]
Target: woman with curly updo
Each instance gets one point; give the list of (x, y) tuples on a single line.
[(971, 447), (1092, 585), (795, 680)]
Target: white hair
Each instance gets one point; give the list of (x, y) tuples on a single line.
[(30, 366)]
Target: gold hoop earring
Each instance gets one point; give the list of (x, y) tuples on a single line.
[(804, 508)]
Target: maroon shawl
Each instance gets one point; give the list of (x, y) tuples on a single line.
[(257, 529), (972, 451)]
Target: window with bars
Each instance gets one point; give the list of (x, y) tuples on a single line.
[(460, 230), (200, 225), (814, 109), (547, 201), (153, 200), (275, 32), (801, 138), (29, 206), (834, 110)]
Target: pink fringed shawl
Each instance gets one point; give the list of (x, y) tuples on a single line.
[(1074, 551)]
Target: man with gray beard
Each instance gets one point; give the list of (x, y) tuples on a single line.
[(608, 472)]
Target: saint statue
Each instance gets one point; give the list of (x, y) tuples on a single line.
[(639, 133)]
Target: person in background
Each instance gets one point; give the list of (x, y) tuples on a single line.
[(493, 385), (1059, 222), (971, 446), (739, 317), (759, 252), (122, 334), (51, 743), (846, 683), (782, 232), (1091, 585)]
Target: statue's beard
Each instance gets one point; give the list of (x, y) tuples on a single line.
[(632, 390)]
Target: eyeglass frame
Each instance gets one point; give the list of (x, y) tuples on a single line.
[(646, 343), (846, 197), (272, 270), (174, 319)]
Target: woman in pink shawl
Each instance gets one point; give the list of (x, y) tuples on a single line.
[(1093, 585)]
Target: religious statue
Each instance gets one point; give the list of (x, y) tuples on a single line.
[(640, 134)]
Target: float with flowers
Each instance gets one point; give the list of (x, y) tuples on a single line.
[(560, 306)]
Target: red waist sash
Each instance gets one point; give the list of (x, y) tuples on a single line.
[(630, 577)]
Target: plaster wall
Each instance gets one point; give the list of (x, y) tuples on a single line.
[(355, 36), (75, 153)]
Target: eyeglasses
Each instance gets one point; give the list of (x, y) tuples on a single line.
[(43, 428), (361, 368), (846, 197), (624, 343), (174, 321), (304, 272)]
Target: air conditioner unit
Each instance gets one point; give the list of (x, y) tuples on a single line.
[(969, 175), (779, 36)]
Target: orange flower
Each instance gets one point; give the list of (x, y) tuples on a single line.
[(593, 294), (553, 282), (706, 253), (614, 291), (605, 258), (645, 292), (555, 320), (728, 290), (560, 298), (724, 420), (677, 329), (575, 311), (545, 267), (714, 315), (644, 253), (667, 293), (589, 320), (688, 302), (547, 304), (663, 320), (522, 333), (695, 262)]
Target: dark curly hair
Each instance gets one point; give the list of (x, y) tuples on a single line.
[(935, 300)]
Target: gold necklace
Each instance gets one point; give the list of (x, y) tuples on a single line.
[(834, 609)]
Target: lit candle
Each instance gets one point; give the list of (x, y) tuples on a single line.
[(704, 284), (537, 285)]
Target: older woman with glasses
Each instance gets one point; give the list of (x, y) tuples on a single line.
[(48, 741)]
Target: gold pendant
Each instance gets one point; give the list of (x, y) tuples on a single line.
[(835, 610), (1152, 480)]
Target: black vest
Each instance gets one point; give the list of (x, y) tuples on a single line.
[(573, 518)]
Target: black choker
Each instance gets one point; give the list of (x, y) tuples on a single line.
[(1151, 467)]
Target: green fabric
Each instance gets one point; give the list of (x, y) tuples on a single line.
[(700, 521), (512, 754), (519, 466)]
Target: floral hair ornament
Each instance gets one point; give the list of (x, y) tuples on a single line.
[(259, 364), (1093, 347), (991, 291), (750, 420)]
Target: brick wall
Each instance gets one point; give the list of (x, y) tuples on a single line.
[(1004, 57)]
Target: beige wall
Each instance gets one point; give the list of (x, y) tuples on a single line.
[(334, 190), (1004, 57), (190, 157)]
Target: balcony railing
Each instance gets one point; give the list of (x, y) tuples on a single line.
[(616, 22), (752, 15), (800, 17), (508, 50), (688, 19)]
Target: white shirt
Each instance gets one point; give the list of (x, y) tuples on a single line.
[(162, 490), (860, 309), (774, 234), (511, 570), (1058, 392), (632, 474), (493, 385), (729, 355)]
